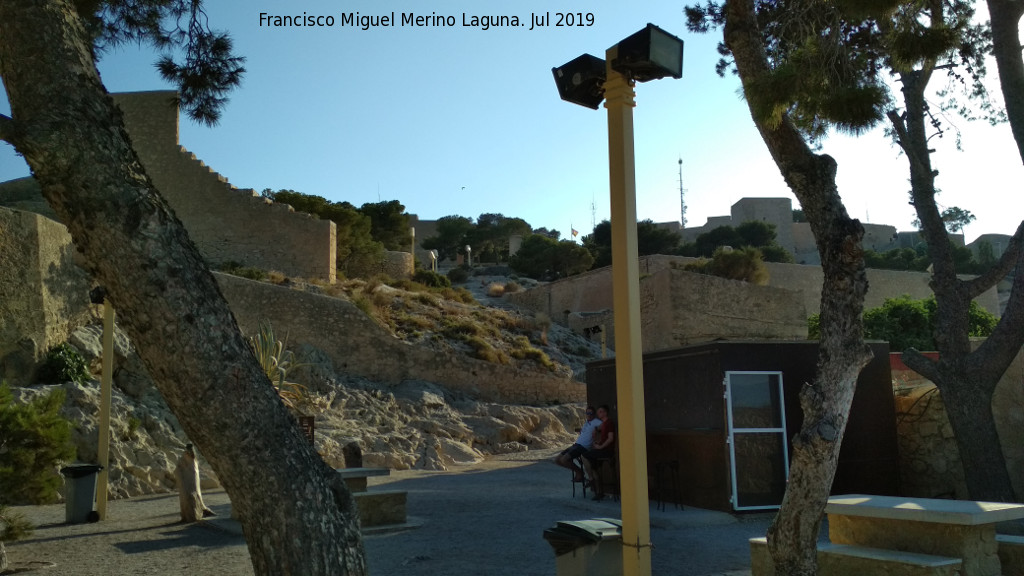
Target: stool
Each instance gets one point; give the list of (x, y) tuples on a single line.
[(578, 461), (607, 468), (667, 471)]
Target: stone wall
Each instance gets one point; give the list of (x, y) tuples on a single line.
[(356, 344), (397, 265), (882, 284), (43, 297), (930, 464), (226, 223), (677, 307), (775, 211)]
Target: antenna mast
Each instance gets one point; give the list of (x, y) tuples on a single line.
[(593, 214), (682, 197)]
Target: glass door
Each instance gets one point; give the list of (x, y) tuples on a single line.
[(758, 450)]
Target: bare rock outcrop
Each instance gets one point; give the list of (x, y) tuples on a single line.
[(414, 424)]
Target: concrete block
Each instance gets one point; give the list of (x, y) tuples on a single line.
[(847, 560), (381, 508), (1011, 554)]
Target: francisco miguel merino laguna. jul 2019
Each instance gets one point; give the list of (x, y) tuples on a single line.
[(433, 20)]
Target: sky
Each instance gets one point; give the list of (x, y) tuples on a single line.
[(463, 120)]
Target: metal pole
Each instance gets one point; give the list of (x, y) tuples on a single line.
[(103, 450), (636, 521)]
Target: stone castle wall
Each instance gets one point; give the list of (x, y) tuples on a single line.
[(357, 345), (882, 284), (43, 296), (677, 307), (227, 224), (397, 265)]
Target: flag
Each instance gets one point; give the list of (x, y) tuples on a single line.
[(575, 232)]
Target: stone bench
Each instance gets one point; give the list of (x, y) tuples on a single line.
[(850, 560), (378, 510), (355, 478), (1011, 554)]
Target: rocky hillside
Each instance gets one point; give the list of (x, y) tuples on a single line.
[(415, 424)]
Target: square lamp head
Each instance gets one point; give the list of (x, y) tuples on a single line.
[(581, 81), (649, 54)]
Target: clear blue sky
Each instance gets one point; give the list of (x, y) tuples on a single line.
[(460, 120)]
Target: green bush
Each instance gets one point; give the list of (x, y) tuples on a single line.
[(458, 275), (743, 264), (35, 440), (63, 364), (907, 323), (432, 279)]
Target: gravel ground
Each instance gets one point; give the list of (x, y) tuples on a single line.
[(487, 519)]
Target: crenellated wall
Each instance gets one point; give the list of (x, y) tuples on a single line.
[(226, 223)]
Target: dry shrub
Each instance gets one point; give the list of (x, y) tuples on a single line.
[(276, 277), (512, 288), (496, 290)]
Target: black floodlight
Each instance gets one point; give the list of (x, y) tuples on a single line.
[(650, 54), (581, 81)]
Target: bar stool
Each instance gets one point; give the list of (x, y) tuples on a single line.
[(578, 461), (666, 483)]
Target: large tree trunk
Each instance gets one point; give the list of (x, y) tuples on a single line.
[(793, 536), (296, 513), (967, 387), (1005, 17)]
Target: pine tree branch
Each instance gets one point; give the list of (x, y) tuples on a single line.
[(8, 129), (1001, 268)]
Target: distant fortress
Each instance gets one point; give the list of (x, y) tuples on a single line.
[(798, 239)]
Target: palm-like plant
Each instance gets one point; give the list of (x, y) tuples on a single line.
[(277, 361)]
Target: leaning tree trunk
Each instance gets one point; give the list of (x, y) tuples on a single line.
[(296, 513), (793, 535)]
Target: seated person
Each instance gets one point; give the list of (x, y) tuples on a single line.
[(583, 443), (604, 447)]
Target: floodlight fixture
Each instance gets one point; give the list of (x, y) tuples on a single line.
[(649, 54), (581, 81)]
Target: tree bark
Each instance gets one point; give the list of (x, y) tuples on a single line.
[(297, 515), (1005, 16), (793, 535)]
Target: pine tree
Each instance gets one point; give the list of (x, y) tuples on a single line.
[(34, 440)]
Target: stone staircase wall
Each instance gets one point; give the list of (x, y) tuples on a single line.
[(226, 223)]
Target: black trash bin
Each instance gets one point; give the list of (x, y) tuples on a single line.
[(587, 547), (80, 492)]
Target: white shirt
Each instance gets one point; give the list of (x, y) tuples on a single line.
[(586, 438)]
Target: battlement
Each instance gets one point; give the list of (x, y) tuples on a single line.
[(226, 223)]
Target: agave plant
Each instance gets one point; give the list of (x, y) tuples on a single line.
[(277, 361)]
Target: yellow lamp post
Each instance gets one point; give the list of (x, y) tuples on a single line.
[(98, 295), (649, 54)]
